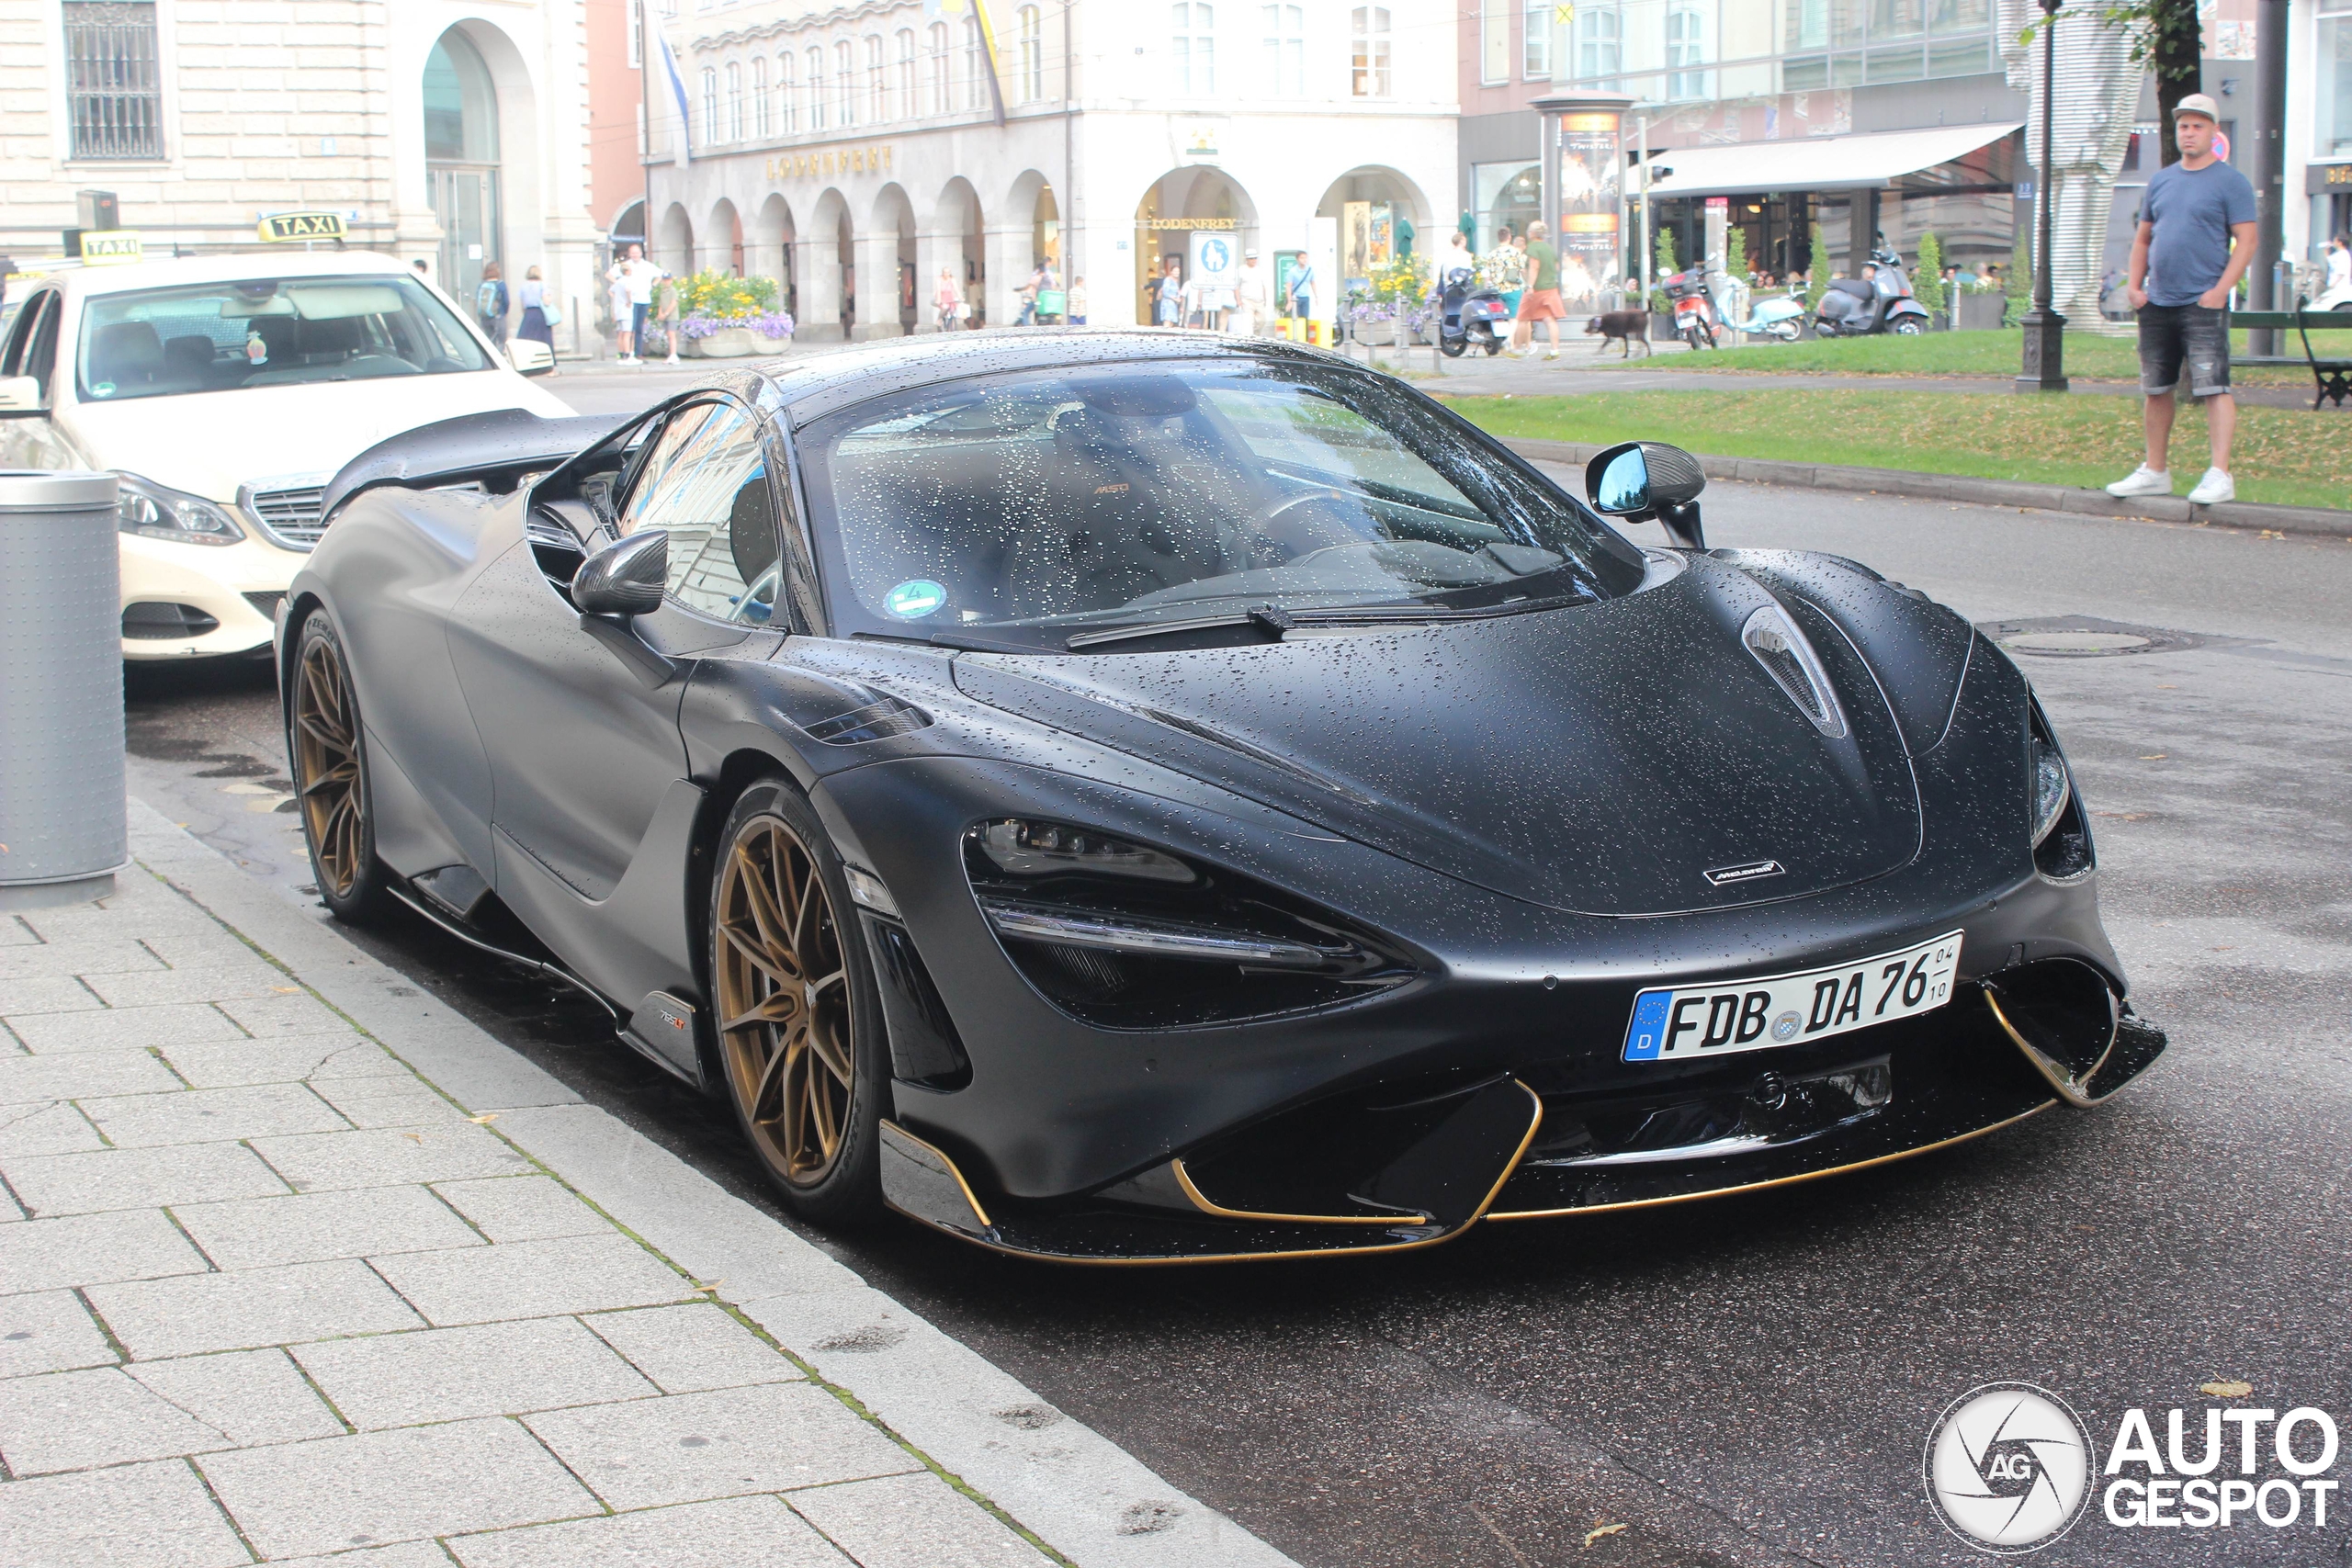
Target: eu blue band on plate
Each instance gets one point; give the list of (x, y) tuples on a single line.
[(1644, 1035)]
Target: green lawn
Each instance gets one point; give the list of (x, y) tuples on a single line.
[(2286, 455), (1998, 353)]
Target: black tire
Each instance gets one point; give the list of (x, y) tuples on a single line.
[(1909, 326), (1452, 347), (326, 756), (773, 837)]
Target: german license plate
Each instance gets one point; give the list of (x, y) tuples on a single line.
[(1730, 1016)]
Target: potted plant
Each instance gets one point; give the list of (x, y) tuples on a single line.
[(720, 315), (770, 331)]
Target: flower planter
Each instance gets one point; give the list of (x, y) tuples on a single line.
[(770, 344), (728, 342), (1981, 311)]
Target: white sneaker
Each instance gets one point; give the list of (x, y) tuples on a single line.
[(2213, 489), (2143, 480), (671, 360)]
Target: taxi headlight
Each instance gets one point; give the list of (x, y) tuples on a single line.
[(156, 511)]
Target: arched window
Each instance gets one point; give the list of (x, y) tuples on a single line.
[(734, 101), (877, 81), (941, 101), (818, 107), (846, 79), (976, 66), (1033, 55), (709, 106), (787, 104), (908, 106), (760, 119)]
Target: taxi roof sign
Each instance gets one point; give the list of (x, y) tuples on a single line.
[(112, 247), (302, 226)]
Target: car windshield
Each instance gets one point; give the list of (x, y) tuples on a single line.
[(1044, 507), (267, 332)]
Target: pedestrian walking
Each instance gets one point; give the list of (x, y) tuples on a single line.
[(1301, 290), (540, 316), (1075, 305), (1541, 302), (1251, 298), (1504, 269), (1168, 304), (2195, 241), (665, 312), (489, 304), (632, 278), (2339, 268)]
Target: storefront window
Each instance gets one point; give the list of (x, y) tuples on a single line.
[(2334, 84), (1504, 193)]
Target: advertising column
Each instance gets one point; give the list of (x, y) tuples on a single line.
[(1583, 160)]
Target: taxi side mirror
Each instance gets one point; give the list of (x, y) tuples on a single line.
[(20, 395)]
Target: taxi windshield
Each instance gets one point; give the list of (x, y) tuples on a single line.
[(216, 338)]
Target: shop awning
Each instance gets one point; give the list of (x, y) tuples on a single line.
[(1817, 163)]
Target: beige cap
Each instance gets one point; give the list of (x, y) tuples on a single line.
[(2197, 103)]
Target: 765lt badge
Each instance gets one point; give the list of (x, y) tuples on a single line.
[(1781, 1009)]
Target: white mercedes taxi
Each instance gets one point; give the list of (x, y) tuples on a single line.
[(226, 391)]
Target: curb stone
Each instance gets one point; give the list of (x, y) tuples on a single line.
[(1081, 1493), (2321, 521)]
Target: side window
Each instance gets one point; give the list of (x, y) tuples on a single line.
[(31, 316), (653, 466), (40, 353), (710, 491)]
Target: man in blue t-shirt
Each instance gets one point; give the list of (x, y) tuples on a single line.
[(2196, 238)]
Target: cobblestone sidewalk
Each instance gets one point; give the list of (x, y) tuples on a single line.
[(269, 1293)]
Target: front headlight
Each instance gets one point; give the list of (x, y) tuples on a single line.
[(2062, 833), (157, 511), (2051, 788), (1124, 936)]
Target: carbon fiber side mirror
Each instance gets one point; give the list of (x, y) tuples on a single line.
[(625, 578)]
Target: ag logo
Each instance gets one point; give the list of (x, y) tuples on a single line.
[(2007, 1467)]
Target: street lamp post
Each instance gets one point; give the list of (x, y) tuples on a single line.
[(2045, 368)]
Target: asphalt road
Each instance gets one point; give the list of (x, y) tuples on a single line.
[(1748, 1381)]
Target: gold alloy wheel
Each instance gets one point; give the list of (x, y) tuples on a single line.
[(783, 1002), (326, 765)]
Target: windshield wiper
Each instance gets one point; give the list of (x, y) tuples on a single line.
[(1265, 617), (1280, 621), (956, 640)]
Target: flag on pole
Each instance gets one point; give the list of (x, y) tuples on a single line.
[(974, 11), (678, 89)]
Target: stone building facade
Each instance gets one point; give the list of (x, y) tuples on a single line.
[(442, 131), (833, 146)]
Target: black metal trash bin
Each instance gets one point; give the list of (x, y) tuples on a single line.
[(62, 834)]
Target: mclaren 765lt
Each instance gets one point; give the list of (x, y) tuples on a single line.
[(1145, 797)]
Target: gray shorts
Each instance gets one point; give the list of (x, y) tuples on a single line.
[(2171, 335)]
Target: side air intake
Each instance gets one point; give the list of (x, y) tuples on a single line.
[(1789, 658)]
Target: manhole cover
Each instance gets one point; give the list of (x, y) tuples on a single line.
[(2085, 637)]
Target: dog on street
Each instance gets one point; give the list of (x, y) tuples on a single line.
[(1631, 326)]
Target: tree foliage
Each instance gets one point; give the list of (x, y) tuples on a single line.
[(2166, 39), (1928, 277)]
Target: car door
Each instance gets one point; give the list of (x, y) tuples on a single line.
[(30, 439), (588, 785)]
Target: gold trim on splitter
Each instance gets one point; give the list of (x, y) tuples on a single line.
[(953, 1170), (1776, 1181), (1208, 1205), (2070, 1090), (1534, 1124)]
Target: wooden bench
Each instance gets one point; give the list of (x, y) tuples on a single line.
[(2331, 376)]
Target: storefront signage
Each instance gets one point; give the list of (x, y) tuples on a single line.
[(1186, 223), (283, 226), (112, 247), (828, 160), (2318, 177)]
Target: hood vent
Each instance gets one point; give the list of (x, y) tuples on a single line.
[(1777, 646)]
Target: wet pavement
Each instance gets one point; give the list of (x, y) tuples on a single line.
[(1748, 1380)]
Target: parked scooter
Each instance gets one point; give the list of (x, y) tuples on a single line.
[(1854, 306), (1695, 316), (1469, 316), (1782, 319)]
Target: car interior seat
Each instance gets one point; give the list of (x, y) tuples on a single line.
[(125, 356)]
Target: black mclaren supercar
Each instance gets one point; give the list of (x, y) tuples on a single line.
[(1130, 796)]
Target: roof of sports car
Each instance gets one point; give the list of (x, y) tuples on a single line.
[(812, 388)]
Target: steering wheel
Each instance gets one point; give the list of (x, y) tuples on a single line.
[(1317, 520)]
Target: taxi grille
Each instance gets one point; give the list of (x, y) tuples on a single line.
[(288, 516)]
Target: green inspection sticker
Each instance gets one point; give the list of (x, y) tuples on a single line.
[(913, 600)]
